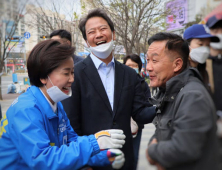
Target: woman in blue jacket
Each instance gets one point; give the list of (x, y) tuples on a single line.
[(35, 132)]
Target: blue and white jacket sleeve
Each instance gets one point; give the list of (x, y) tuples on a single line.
[(99, 159), (29, 136)]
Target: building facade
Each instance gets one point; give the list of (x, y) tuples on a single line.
[(181, 12), (12, 28)]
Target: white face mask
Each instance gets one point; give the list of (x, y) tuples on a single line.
[(104, 50), (200, 54), (56, 94), (217, 45)]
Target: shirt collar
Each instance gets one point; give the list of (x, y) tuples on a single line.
[(98, 62)]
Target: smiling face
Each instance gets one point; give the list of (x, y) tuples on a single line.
[(160, 66), (62, 77), (98, 31)]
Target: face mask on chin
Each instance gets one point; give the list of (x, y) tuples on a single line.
[(102, 51), (56, 94), (200, 54), (217, 45)]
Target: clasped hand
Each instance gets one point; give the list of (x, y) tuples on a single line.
[(110, 139)]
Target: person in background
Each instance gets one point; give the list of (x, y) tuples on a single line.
[(106, 93), (66, 38), (11, 88), (185, 136), (199, 43), (35, 132), (135, 63), (214, 66)]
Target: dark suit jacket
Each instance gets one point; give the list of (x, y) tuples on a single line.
[(146, 92), (89, 109), (77, 58)]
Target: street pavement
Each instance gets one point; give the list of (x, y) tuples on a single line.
[(148, 131), (8, 98), (146, 134), (6, 102)]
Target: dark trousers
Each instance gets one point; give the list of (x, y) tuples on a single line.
[(136, 147)]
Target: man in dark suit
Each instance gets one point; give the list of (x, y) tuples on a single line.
[(66, 38), (106, 93)]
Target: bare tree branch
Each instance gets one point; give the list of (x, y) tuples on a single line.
[(8, 31)]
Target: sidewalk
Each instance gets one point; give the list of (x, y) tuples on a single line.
[(7, 101), (18, 74), (10, 96), (148, 132)]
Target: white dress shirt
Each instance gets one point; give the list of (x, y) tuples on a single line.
[(106, 73)]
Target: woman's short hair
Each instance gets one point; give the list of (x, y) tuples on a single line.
[(134, 58), (45, 57)]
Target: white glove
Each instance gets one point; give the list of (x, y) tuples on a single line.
[(134, 127), (110, 139), (116, 158)]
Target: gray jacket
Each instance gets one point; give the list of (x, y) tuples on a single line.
[(185, 125)]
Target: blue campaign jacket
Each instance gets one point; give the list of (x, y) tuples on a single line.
[(32, 136)]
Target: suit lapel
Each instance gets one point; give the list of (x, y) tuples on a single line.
[(92, 74), (119, 74)]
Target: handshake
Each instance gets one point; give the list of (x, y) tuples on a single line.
[(112, 139)]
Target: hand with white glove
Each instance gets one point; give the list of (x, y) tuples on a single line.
[(134, 127), (116, 158), (110, 139)]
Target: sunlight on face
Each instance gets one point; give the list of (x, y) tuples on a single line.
[(159, 65), (63, 76), (98, 31)]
